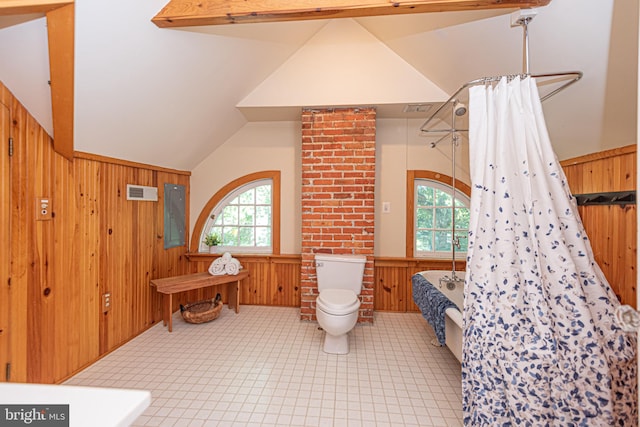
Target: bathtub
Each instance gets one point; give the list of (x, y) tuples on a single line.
[(453, 317)]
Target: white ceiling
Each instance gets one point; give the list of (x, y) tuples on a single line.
[(170, 97)]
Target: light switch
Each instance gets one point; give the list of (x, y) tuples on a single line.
[(386, 207)]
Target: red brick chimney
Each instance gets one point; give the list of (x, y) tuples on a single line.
[(338, 183)]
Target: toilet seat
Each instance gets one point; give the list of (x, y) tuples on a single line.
[(337, 302)]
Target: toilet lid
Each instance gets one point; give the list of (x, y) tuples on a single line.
[(338, 301)]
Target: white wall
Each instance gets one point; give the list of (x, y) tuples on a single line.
[(258, 146), (400, 147), (369, 73), (24, 68), (276, 146)]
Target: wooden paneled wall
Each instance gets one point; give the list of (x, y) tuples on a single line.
[(612, 229), (92, 241), (5, 215), (392, 287), (273, 279)]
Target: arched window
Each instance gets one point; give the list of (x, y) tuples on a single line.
[(437, 217), (245, 215)]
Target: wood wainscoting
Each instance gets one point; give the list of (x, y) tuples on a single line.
[(275, 279), (392, 281), (612, 229)]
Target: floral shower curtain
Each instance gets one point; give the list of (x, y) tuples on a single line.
[(540, 344)]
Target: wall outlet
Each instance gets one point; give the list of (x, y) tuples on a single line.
[(106, 302), (43, 209)]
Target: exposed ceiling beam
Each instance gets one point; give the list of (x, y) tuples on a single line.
[(60, 28), (185, 13), (23, 7)]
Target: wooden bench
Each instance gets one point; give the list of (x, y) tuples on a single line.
[(172, 285)]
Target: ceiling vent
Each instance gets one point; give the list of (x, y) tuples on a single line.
[(416, 108), (140, 192)]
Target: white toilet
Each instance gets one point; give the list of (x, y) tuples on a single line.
[(339, 284)]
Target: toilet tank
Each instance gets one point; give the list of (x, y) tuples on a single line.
[(340, 271)]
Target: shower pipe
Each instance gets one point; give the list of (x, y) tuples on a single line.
[(573, 77), (450, 282)]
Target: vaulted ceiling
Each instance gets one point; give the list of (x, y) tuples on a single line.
[(170, 97)]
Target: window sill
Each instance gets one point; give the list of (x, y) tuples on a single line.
[(203, 256)]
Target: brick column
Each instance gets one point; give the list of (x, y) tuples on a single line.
[(338, 183)]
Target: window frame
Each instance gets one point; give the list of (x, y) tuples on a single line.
[(224, 193), (412, 176)]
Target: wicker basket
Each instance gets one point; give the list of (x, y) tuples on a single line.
[(202, 311)]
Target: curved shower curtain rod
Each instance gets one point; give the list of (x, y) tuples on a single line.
[(523, 20), (573, 75)]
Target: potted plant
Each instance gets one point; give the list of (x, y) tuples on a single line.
[(212, 240)]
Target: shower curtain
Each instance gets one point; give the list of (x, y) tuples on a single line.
[(540, 344)]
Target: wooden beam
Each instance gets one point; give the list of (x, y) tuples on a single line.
[(60, 27), (23, 7), (184, 13)]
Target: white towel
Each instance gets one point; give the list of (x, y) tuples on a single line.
[(232, 267), (226, 257), (217, 267)]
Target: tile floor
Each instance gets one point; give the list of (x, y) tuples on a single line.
[(264, 367)]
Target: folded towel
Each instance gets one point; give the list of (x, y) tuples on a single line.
[(232, 267), (432, 304), (217, 267), (226, 257)]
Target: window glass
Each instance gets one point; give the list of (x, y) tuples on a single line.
[(243, 219), (263, 195), (263, 215), (435, 214), (174, 215)]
